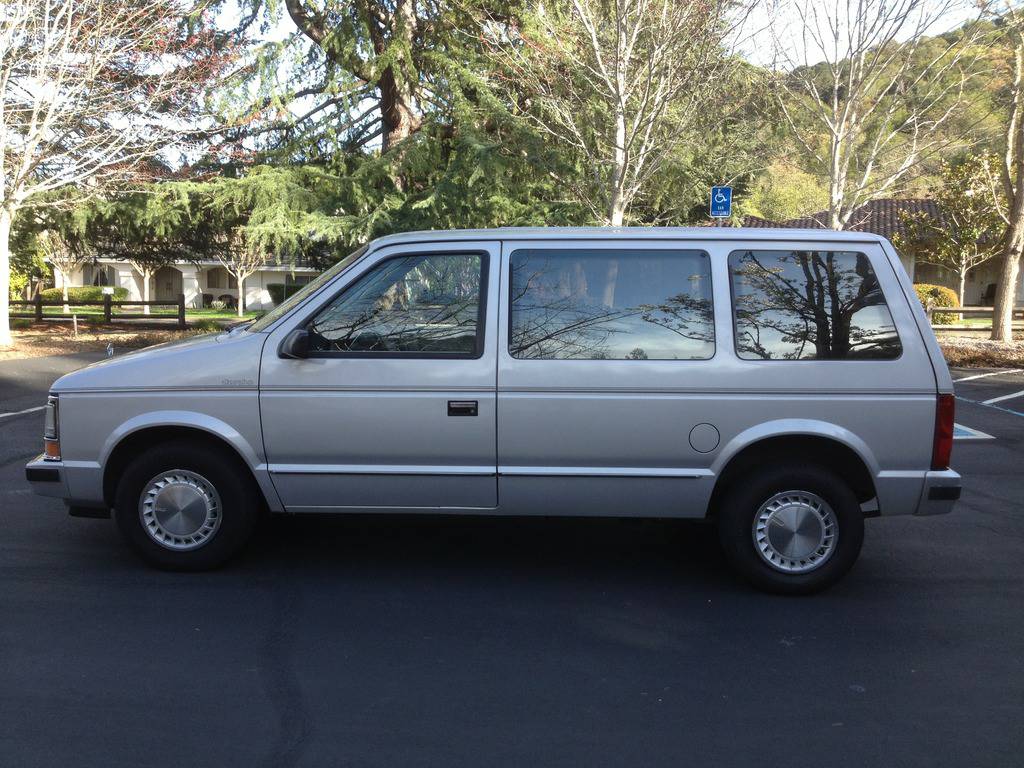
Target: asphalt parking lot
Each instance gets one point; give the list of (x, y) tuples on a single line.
[(387, 641)]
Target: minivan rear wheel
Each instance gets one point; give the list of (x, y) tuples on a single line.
[(791, 529), (185, 506)]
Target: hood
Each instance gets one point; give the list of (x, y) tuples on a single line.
[(214, 361)]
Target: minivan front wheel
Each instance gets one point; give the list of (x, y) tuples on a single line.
[(791, 529), (185, 506)]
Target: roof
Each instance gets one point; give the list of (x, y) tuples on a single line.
[(621, 233), (272, 263), (880, 217)]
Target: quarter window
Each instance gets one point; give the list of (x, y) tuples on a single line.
[(605, 304), (809, 305), (426, 304)]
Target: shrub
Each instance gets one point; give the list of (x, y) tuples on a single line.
[(207, 325), (218, 304), (938, 296), (279, 291), (18, 281), (83, 293)]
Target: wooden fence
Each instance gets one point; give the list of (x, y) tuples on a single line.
[(1018, 312), (108, 305)]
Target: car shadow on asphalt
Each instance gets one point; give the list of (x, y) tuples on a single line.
[(601, 547)]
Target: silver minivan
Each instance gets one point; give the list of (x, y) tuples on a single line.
[(782, 384)]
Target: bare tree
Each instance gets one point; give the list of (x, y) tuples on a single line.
[(1010, 204), (621, 82), (89, 90), (146, 271), (63, 257), (240, 258), (865, 91), (967, 231)]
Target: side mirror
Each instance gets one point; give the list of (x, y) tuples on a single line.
[(295, 345)]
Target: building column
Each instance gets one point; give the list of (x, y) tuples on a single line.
[(190, 285), (128, 278)]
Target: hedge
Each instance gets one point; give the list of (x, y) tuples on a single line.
[(279, 291), (83, 293), (938, 296)]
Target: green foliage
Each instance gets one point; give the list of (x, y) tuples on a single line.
[(784, 192), (937, 296), (83, 293), (206, 324), (18, 282)]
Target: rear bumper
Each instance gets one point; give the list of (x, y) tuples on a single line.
[(940, 493)]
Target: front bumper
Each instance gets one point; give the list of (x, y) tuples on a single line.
[(940, 493), (47, 478)]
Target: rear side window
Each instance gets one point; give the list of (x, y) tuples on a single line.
[(809, 305), (618, 304)]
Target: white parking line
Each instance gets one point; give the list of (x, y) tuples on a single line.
[(1003, 397), (19, 413), (983, 375)]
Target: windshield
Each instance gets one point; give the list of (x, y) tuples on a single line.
[(264, 322)]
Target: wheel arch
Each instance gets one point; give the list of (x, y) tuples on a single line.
[(137, 434), (813, 442)]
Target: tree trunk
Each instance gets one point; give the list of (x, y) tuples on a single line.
[(616, 200), (616, 210), (963, 286), (399, 119), (5, 277), (64, 291), (1006, 287), (145, 291), (398, 116), (241, 295)]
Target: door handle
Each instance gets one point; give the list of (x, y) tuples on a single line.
[(462, 408)]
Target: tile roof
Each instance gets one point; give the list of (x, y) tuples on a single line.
[(880, 217)]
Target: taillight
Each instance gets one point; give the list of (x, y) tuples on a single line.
[(942, 445)]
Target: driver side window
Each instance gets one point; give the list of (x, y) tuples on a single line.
[(417, 304)]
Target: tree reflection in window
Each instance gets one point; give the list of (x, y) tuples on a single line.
[(809, 305), (594, 304), (426, 304)]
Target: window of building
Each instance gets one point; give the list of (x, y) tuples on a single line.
[(427, 304), (809, 305), (611, 304)]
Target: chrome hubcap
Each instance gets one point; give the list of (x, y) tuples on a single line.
[(180, 509), (795, 531)]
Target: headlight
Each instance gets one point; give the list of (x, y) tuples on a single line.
[(51, 430)]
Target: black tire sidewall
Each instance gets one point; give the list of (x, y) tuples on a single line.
[(240, 504), (739, 507)]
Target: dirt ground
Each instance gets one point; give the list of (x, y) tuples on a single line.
[(975, 352), (43, 339)]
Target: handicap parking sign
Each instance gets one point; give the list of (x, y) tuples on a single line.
[(721, 202)]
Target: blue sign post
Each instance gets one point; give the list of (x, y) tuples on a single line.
[(721, 202)]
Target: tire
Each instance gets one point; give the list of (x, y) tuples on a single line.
[(218, 500), (791, 529)]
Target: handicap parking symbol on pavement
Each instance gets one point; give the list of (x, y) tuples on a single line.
[(960, 432)]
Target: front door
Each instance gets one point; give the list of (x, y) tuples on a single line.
[(395, 406)]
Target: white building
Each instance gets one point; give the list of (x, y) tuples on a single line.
[(201, 282)]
